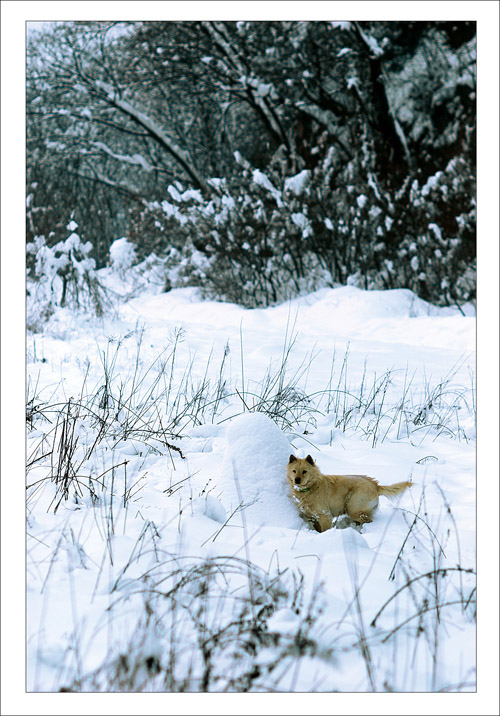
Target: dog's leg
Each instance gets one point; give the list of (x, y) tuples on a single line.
[(361, 508), (362, 517), (322, 522)]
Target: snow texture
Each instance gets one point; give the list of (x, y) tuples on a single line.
[(298, 183), (122, 254), (253, 471), (263, 181), (183, 510)]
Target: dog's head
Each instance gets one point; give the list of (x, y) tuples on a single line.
[(301, 473)]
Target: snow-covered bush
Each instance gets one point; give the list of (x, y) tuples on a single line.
[(61, 275), (122, 254), (258, 239), (443, 211), (249, 242), (420, 236)]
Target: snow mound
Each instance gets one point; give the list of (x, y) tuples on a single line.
[(352, 301), (253, 472), (122, 254), (210, 507)]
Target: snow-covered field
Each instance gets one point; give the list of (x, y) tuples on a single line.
[(163, 550)]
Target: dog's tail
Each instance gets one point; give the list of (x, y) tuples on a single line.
[(393, 490)]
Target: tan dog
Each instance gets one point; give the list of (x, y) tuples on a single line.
[(320, 497)]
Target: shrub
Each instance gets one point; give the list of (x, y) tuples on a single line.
[(61, 275), (258, 239)]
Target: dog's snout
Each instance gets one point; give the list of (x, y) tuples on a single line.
[(297, 480)]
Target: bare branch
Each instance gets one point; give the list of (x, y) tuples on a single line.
[(218, 33), (123, 187), (325, 118), (153, 129)]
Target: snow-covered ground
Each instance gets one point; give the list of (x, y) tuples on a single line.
[(164, 552)]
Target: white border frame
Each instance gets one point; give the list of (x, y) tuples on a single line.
[(14, 699)]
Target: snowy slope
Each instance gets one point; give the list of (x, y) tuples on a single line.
[(196, 533)]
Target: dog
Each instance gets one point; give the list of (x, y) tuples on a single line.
[(321, 497)]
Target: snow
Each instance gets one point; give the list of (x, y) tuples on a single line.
[(171, 210), (208, 401), (192, 194), (174, 193), (301, 220), (342, 25), (137, 159), (122, 254), (373, 184), (252, 471), (217, 182), (373, 45), (262, 180), (298, 183), (436, 231), (263, 89)]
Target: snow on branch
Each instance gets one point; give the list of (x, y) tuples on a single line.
[(153, 129), (325, 118), (262, 180), (370, 42), (257, 89), (135, 159)]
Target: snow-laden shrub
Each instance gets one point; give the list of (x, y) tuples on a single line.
[(122, 254), (245, 243), (425, 239), (61, 275), (444, 209), (259, 239)]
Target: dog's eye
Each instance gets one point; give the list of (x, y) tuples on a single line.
[(294, 472), (303, 472)]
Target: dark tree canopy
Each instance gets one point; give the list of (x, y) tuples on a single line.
[(376, 118)]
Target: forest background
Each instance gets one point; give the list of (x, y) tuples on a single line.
[(258, 160)]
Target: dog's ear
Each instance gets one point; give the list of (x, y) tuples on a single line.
[(292, 459), (309, 460)]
